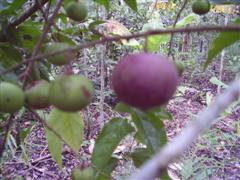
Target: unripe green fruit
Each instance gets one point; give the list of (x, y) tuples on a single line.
[(145, 80), (201, 7), (180, 68), (76, 11), (59, 59), (11, 97), (71, 93), (37, 96), (86, 174)]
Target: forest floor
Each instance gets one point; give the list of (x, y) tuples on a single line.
[(215, 155)]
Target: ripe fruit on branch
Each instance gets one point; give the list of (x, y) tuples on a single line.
[(201, 7), (59, 59), (37, 96), (76, 11), (71, 92), (145, 80), (11, 97)]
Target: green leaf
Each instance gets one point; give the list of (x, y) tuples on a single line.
[(105, 173), (29, 33), (112, 133), (9, 55), (223, 40), (62, 17), (60, 37), (86, 174), (69, 126), (11, 8), (16, 5), (44, 71), (154, 42), (93, 24), (122, 107), (10, 76), (105, 3), (132, 4), (151, 130), (12, 35), (111, 164), (186, 20), (162, 113), (24, 133), (139, 156), (216, 81), (54, 147)]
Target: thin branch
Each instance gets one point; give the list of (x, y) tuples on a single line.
[(8, 126), (50, 128), (174, 25), (152, 169), (153, 9), (229, 28), (27, 14), (47, 126), (36, 49)]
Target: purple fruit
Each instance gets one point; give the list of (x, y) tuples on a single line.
[(145, 80)]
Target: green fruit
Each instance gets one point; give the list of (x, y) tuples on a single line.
[(86, 174), (59, 59), (71, 93), (11, 97), (201, 7), (37, 96), (180, 68), (76, 11)]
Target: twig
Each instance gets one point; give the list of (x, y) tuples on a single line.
[(154, 6), (167, 154), (46, 12), (229, 28), (8, 126), (27, 14), (36, 49), (47, 126), (174, 25)]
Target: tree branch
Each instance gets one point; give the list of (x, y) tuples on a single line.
[(229, 28), (37, 47), (42, 121), (28, 13), (174, 24), (152, 169)]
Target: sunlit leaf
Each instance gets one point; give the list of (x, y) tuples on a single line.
[(69, 126), (61, 37), (216, 81), (186, 20), (223, 40), (105, 3), (132, 4)]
